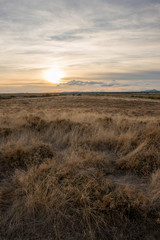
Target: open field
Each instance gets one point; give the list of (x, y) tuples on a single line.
[(144, 95), (80, 167)]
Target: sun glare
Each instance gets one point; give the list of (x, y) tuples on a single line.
[(53, 75)]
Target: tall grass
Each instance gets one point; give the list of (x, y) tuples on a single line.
[(83, 175)]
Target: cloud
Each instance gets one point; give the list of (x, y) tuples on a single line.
[(65, 37), (82, 83), (93, 83)]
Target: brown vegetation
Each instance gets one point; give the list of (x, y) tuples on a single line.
[(80, 167)]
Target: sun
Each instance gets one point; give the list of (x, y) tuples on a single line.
[(53, 75)]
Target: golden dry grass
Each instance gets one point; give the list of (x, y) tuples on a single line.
[(80, 167)]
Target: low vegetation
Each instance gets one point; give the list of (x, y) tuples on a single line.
[(79, 167)]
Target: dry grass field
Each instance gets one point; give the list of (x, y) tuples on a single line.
[(79, 167)]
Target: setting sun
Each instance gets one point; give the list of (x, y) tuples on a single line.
[(53, 75)]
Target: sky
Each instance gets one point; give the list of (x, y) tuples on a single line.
[(70, 45)]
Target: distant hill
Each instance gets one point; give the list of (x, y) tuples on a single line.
[(151, 91)]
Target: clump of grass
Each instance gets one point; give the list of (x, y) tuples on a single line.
[(34, 123), (155, 188), (4, 132), (14, 156), (142, 163), (145, 159)]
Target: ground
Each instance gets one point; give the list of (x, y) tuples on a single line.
[(80, 166)]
